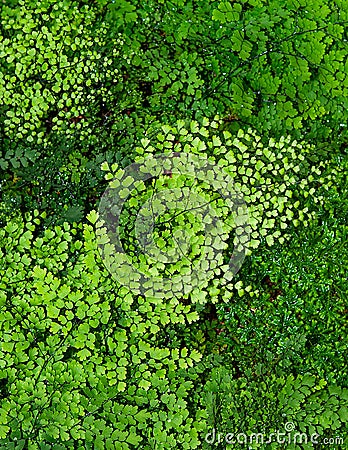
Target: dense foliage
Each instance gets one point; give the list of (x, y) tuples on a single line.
[(88, 363), (251, 91), (261, 408)]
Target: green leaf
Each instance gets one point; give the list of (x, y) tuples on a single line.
[(52, 312), (92, 217)]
